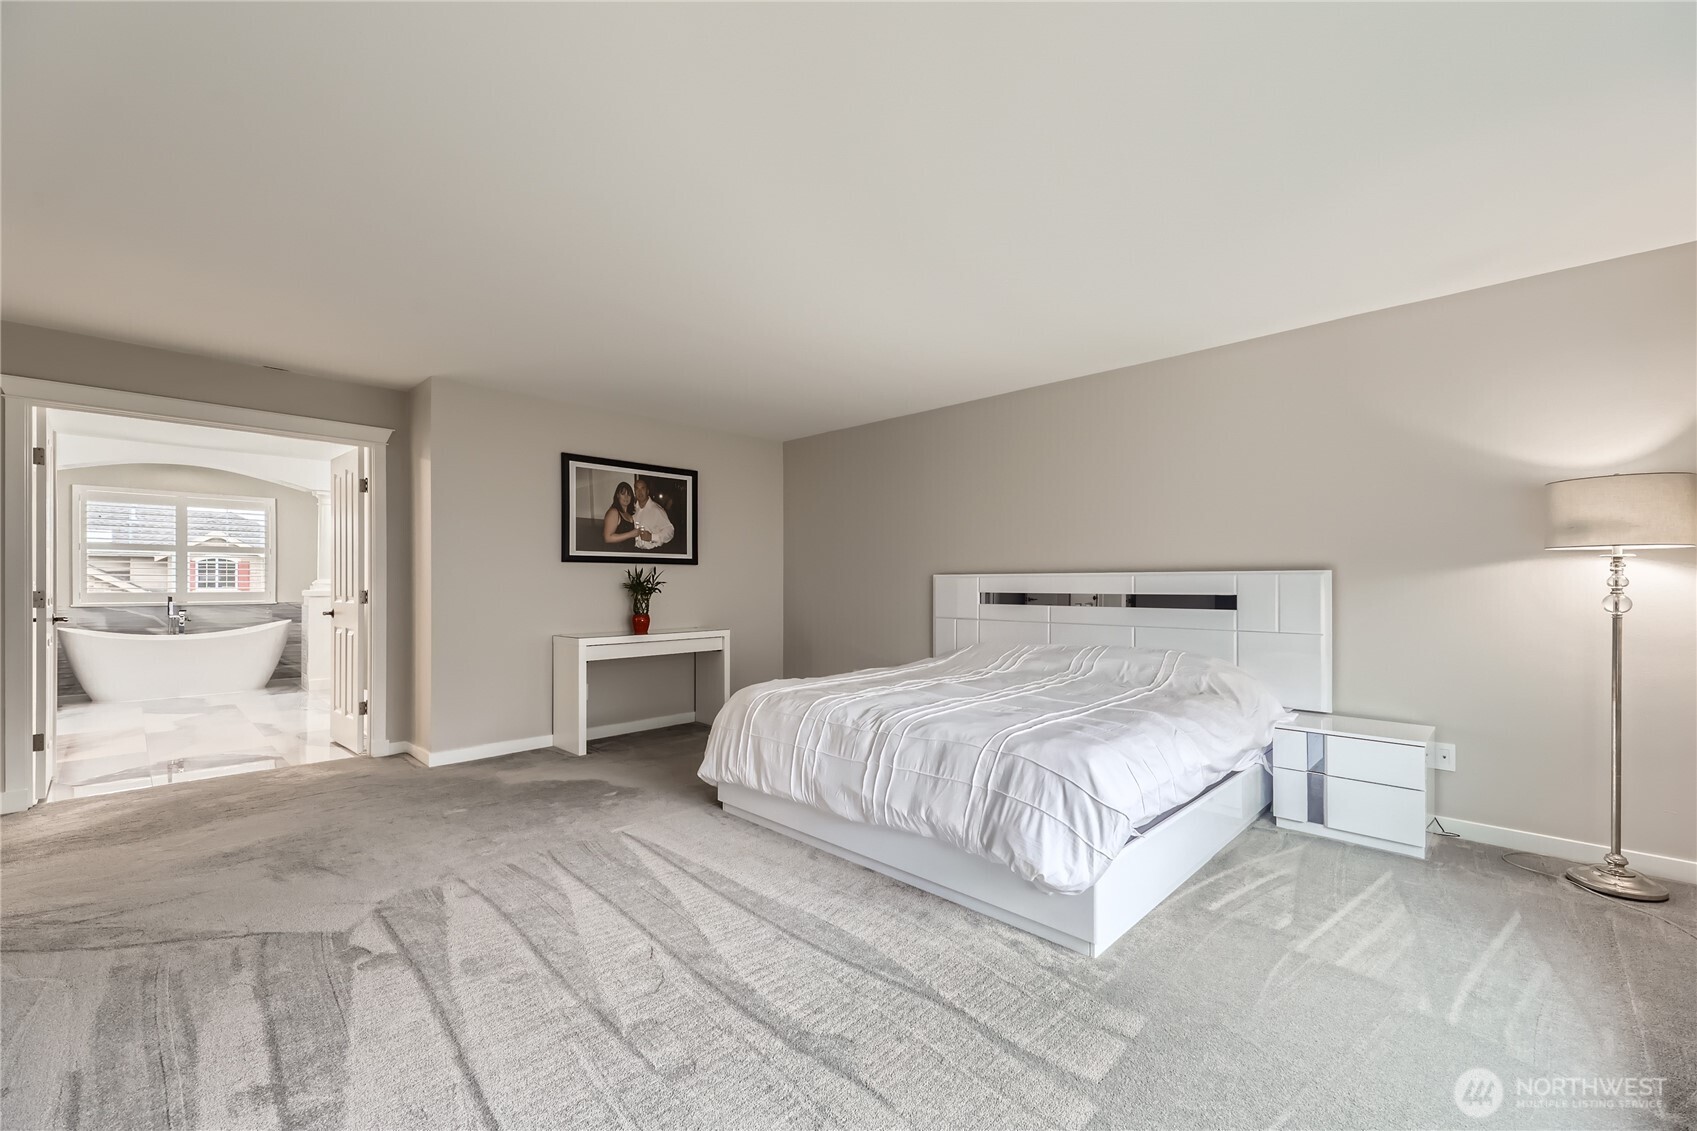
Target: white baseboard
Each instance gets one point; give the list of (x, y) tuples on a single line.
[(434, 758), (1664, 867), (608, 730), (540, 742), (17, 800)]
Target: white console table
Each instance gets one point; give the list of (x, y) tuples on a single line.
[(573, 654)]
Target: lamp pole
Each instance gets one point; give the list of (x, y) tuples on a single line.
[(1612, 877)]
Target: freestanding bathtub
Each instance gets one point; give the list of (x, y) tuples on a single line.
[(118, 666)]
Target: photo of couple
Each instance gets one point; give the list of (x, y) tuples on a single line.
[(637, 516), (627, 512)]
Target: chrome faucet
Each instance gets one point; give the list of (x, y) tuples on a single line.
[(177, 619)]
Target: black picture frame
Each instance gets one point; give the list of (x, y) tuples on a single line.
[(584, 480)]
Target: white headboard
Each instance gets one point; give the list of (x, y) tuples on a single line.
[(1275, 624)]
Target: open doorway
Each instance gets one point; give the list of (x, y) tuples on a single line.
[(193, 576), (202, 595)]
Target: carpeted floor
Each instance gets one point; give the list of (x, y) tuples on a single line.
[(542, 941)]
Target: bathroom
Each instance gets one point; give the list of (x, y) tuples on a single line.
[(191, 570)]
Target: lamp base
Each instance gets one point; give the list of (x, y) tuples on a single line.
[(1621, 883)]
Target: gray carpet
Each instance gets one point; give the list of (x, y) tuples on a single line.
[(542, 941)]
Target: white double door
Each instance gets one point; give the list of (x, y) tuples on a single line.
[(350, 601), (44, 602)]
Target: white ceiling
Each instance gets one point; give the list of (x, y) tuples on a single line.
[(89, 439), (781, 219)]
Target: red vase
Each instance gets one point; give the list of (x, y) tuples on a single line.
[(639, 624)]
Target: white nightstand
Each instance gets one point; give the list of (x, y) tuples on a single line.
[(1358, 780)]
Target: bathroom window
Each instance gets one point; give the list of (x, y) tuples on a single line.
[(137, 548)]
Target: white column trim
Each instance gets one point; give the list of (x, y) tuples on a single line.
[(321, 564)]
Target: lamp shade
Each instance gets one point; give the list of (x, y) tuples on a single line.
[(1656, 511)]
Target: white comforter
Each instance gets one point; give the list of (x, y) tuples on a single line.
[(1047, 758)]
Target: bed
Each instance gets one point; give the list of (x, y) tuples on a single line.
[(1076, 747)]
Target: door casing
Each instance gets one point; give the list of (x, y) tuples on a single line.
[(20, 397)]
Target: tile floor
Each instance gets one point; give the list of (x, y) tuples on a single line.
[(108, 747)]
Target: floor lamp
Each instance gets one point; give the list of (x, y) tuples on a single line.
[(1614, 514)]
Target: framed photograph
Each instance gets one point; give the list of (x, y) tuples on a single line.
[(613, 511)]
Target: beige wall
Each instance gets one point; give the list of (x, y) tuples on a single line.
[(494, 591), (1404, 449), (296, 510), (54, 355)]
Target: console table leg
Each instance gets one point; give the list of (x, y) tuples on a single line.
[(712, 684)]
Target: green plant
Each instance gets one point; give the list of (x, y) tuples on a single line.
[(642, 584)]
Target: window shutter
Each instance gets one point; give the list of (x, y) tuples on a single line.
[(136, 549), (236, 527), (217, 537), (131, 524), (148, 565)]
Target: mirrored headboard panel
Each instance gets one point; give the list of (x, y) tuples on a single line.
[(1275, 624)]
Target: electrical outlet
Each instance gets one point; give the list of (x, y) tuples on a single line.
[(1443, 756)]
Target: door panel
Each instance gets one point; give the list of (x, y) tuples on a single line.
[(44, 650), (349, 581)]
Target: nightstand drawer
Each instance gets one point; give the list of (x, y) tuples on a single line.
[(1298, 750), (1299, 796), (1382, 811), (1387, 763)]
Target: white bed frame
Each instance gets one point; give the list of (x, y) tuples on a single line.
[(1280, 631)]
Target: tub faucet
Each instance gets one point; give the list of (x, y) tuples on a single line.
[(177, 619)]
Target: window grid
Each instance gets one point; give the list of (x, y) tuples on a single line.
[(139, 547), (215, 573)]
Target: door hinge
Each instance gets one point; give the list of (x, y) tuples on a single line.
[(364, 707), (364, 483), (38, 599), (365, 596), (38, 742), (38, 456)]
